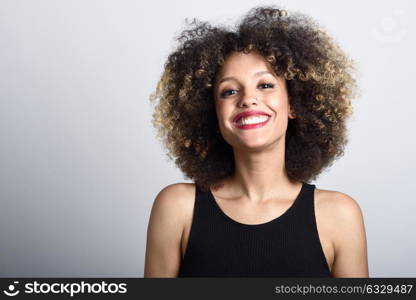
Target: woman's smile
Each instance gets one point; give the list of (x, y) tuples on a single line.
[(252, 122)]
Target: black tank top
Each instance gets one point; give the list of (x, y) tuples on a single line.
[(287, 246)]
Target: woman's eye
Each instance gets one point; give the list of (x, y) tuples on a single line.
[(228, 93), (232, 92), (267, 85)]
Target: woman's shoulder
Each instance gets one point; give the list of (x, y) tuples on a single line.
[(341, 218), (178, 192), (176, 199), (337, 204), (340, 214), (166, 226)]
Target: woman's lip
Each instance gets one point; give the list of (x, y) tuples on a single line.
[(251, 126), (249, 114)]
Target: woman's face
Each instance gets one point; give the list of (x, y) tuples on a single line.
[(246, 82)]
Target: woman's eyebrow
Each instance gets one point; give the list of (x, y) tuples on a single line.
[(233, 78)]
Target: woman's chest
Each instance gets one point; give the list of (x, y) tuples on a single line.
[(322, 241)]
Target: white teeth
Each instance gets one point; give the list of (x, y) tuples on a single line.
[(252, 120)]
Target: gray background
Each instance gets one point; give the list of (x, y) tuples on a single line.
[(80, 164)]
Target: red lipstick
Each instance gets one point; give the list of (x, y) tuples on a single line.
[(247, 114)]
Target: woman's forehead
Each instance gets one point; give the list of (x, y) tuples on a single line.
[(239, 63)]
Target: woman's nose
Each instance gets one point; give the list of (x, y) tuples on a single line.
[(248, 100)]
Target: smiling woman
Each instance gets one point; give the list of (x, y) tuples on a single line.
[(252, 116), (254, 85)]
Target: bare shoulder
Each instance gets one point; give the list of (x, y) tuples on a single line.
[(338, 206), (177, 191), (165, 228), (174, 199), (342, 218)]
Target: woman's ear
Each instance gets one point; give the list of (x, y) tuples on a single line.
[(292, 114)]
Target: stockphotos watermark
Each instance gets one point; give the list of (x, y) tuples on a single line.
[(71, 289)]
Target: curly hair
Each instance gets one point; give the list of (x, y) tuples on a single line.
[(320, 83)]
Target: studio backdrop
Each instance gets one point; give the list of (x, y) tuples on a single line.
[(80, 164)]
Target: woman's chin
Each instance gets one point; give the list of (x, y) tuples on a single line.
[(257, 145)]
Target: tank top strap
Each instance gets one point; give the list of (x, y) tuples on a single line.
[(307, 219), (307, 197), (200, 199), (305, 209), (204, 209)]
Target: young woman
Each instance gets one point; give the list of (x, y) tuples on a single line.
[(251, 116)]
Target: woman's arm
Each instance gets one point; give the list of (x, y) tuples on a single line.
[(164, 233), (350, 243)]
